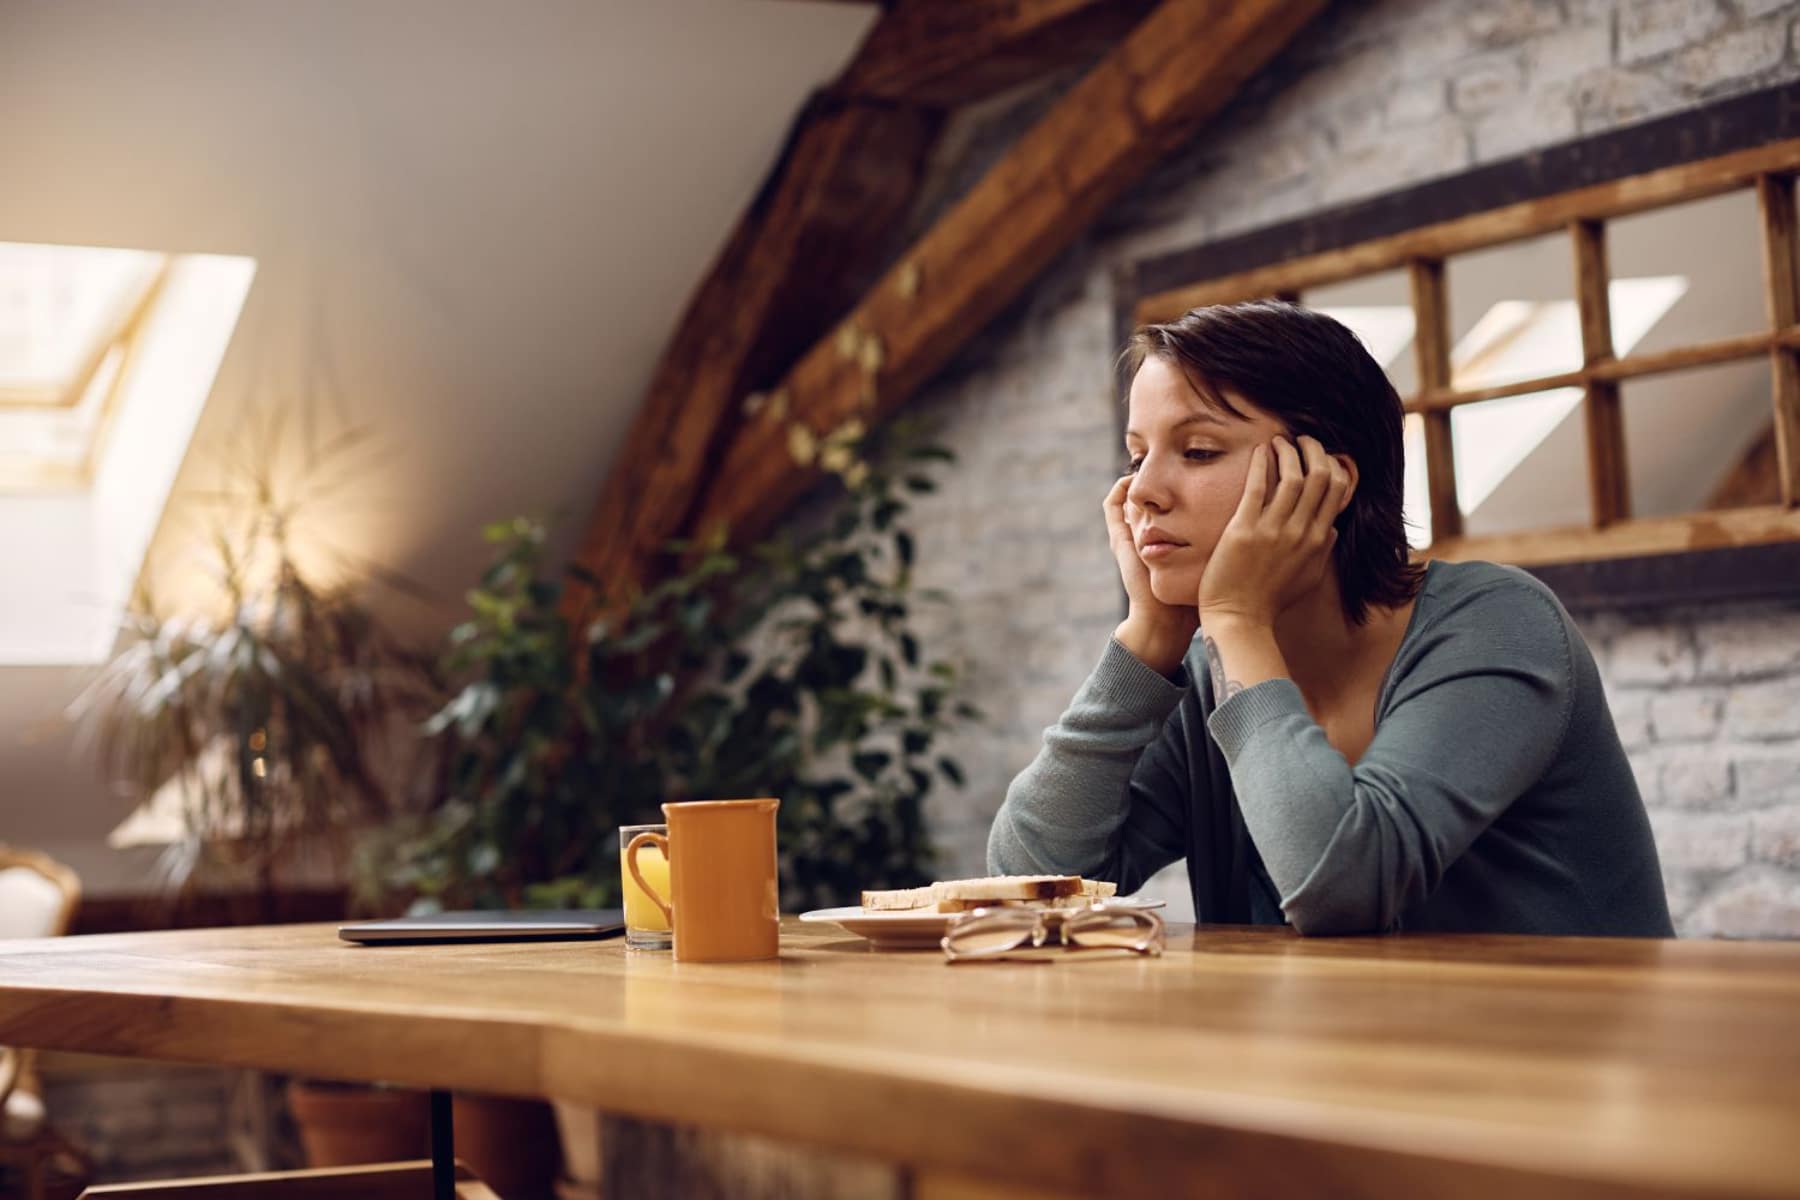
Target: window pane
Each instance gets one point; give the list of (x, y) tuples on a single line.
[(1708, 253), (1513, 313), (1686, 433), (1521, 462), (1378, 309), (56, 305)]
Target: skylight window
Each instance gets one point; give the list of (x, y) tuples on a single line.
[(61, 307), (107, 358), (67, 318)]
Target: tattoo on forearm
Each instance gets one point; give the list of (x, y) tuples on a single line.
[(1223, 688)]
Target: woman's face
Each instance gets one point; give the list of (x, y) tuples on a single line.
[(1188, 469)]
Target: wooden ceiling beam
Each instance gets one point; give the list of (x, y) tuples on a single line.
[(1177, 68), (813, 241), (949, 53), (798, 258)]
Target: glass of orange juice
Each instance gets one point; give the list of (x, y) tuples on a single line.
[(645, 926)]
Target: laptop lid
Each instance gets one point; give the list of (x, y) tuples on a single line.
[(500, 925)]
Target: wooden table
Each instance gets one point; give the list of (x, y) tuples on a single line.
[(1245, 1062)]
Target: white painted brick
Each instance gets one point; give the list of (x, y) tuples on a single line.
[(1610, 97), (1354, 127), (1600, 626), (1767, 780), (1358, 77), (1775, 837), (1749, 644), (1415, 103), (1766, 711), (1648, 28), (1428, 42), (1692, 778), (1683, 890), (1700, 841), (1583, 12), (1686, 714), (1282, 161), (1727, 60), (1544, 117), (1484, 84), (1759, 903), (1402, 157), (1651, 654), (1570, 53), (1497, 22), (1631, 717)]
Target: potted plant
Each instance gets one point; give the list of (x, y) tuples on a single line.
[(790, 669), (260, 734), (262, 725)]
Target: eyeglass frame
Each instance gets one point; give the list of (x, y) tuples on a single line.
[(1036, 930)]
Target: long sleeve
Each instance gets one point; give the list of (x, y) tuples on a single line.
[(1104, 797), (1478, 711)]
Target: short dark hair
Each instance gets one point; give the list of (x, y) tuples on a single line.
[(1312, 374)]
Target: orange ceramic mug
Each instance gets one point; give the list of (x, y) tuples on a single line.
[(723, 885)]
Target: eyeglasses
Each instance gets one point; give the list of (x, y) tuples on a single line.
[(987, 933)]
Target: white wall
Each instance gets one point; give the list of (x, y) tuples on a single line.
[(474, 224)]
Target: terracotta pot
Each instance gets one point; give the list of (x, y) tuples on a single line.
[(342, 1125), (509, 1144), (578, 1128)]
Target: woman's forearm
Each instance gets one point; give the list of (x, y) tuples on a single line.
[(1240, 654)]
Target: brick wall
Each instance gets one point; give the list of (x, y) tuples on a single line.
[(1708, 705), (140, 1120), (1374, 97)]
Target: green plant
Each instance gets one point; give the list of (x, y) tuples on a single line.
[(790, 670), (260, 733)]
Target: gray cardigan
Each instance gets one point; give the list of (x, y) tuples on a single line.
[(1494, 797)]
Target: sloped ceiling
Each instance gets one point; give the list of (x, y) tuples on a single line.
[(475, 224)]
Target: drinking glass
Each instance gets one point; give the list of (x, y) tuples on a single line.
[(646, 928)]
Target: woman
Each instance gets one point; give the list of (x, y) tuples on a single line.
[(1355, 743)]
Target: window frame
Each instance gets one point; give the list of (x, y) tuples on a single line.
[(1749, 142), (125, 334)]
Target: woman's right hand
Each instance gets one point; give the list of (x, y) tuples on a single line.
[(1157, 633)]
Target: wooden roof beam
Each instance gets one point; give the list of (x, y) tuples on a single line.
[(811, 243), (949, 53), (1177, 68)]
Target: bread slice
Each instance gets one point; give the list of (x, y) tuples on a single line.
[(954, 906), (1009, 887), (899, 900), (960, 895)]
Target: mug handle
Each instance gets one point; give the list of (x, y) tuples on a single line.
[(631, 853)]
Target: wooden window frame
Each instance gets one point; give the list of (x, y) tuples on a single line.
[(1749, 142), (125, 335)]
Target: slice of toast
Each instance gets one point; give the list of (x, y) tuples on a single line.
[(898, 900), (960, 895), (1008, 887), (955, 906)]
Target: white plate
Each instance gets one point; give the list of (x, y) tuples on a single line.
[(912, 929)]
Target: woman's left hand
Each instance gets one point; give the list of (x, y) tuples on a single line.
[(1277, 545)]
